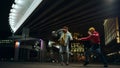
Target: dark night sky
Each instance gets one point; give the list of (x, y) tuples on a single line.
[(4, 12)]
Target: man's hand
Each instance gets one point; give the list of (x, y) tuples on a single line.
[(79, 39), (89, 33)]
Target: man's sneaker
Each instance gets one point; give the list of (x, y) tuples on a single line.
[(67, 63), (105, 65), (62, 63), (86, 63)]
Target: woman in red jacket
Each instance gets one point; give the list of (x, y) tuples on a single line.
[(95, 41)]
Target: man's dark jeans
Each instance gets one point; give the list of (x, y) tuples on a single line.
[(95, 48)]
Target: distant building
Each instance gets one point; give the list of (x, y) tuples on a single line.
[(112, 39), (111, 28)]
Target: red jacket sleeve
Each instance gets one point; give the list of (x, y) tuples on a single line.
[(86, 38), (93, 38)]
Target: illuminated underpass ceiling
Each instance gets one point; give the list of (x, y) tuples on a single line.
[(77, 14), (20, 11)]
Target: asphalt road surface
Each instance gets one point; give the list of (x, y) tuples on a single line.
[(50, 65)]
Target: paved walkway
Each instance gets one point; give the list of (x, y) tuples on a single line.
[(50, 65)]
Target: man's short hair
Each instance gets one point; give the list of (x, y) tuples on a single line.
[(65, 27), (91, 29)]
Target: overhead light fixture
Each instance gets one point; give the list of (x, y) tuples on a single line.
[(20, 11)]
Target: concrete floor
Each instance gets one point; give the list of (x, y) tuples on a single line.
[(50, 65)]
